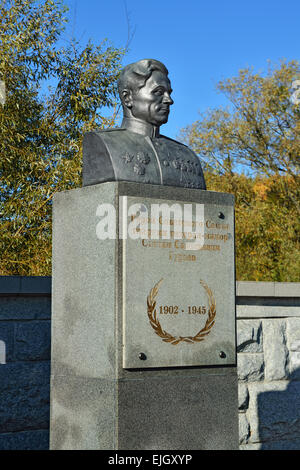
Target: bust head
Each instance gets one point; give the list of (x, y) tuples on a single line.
[(145, 89)]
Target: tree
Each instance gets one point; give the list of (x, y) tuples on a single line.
[(53, 95), (259, 131), (257, 135), (267, 226)]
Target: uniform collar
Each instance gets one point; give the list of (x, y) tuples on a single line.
[(140, 127)]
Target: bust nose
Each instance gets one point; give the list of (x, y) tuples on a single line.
[(167, 99)]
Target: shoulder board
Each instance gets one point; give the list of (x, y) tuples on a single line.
[(173, 140), (110, 129)]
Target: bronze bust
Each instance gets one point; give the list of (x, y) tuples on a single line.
[(137, 151)]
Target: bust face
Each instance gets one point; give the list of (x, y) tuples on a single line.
[(152, 102)]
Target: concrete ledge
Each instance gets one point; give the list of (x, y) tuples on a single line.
[(261, 311), (24, 285), (267, 289), (42, 285), (287, 289)]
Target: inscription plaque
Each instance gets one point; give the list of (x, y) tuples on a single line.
[(178, 291)]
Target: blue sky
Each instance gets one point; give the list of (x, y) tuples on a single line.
[(200, 41)]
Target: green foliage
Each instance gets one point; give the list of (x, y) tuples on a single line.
[(267, 226), (258, 133), (41, 127)]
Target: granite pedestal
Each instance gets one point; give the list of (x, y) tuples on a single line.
[(118, 381)]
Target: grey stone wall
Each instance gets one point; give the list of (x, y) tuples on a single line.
[(268, 341), (25, 312), (268, 344)]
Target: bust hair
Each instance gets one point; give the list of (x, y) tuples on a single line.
[(134, 76)]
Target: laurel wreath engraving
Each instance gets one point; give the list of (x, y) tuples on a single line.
[(167, 337)]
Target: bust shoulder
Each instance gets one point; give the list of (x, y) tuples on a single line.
[(109, 130), (168, 139), (121, 134)]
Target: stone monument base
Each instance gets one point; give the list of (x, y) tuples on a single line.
[(106, 392)]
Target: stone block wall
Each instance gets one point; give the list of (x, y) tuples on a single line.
[(25, 322), (268, 345)]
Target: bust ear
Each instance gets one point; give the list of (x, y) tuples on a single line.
[(127, 97)]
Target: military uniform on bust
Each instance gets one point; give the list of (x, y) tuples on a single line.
[(136, 151), (119, 154)]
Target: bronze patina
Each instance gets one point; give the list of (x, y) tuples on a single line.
[(137, 151)]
